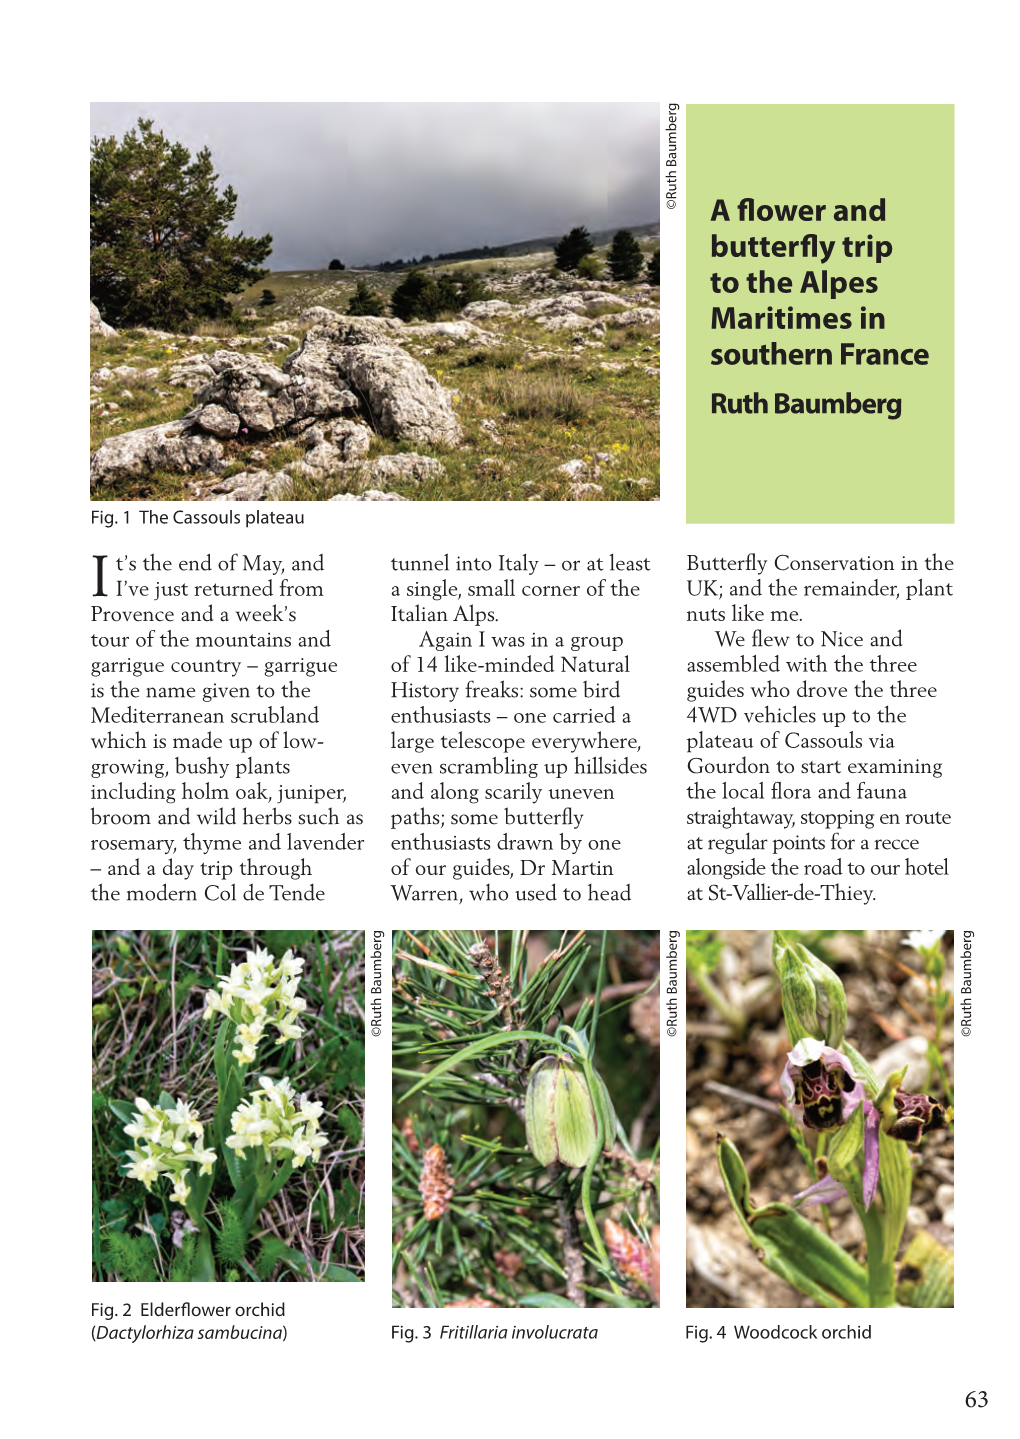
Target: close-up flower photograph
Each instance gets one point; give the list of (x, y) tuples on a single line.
[(820, 1119), (228, 1106), (526, 1119)]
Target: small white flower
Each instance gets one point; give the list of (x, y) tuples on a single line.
[(278, 1091), (148, 1123), (299, 1147), (183, 1114), (145, 1168)]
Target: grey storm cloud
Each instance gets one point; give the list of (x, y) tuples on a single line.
[(369, 182)]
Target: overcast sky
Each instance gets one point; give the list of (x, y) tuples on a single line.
[(368, 182)]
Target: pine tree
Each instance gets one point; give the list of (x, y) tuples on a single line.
[(268, 298), (366, 301), (625, 259), (572, 248), (337, 265), (653, 268), (160, 252)]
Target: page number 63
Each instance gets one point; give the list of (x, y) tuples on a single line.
[(977, 1399)]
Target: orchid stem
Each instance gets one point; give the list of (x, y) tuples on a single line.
[(881, 1272), (204, 1269)]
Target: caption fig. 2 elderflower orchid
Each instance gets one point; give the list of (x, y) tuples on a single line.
[(862, 1130)]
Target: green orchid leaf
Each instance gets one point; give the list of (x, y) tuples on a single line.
[(222, 1058), (250, 1165), (926, 1279), (894, 1181), (279, 1180), (201, 1187), (862, 1069), (234, 1168), (203, 1270), (790, 1245), (125, 1112)]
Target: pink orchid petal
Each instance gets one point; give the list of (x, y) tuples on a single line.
[(872, 1126), (825, 1191)]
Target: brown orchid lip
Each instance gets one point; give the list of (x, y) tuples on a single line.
[(917, 1114), (909, 1130)]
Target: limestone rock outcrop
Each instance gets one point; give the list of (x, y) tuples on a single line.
[(176, 446), (97, 325), (395, 392)]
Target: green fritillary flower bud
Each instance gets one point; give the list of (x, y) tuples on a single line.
[(814, 1000), (561, 1113)]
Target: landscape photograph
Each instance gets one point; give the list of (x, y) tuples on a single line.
[(374, 301)]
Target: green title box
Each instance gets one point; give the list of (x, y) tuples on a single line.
[(798, 442)]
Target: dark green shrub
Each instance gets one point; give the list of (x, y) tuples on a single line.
[(414, 297), (423, 297), (366, 301)]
